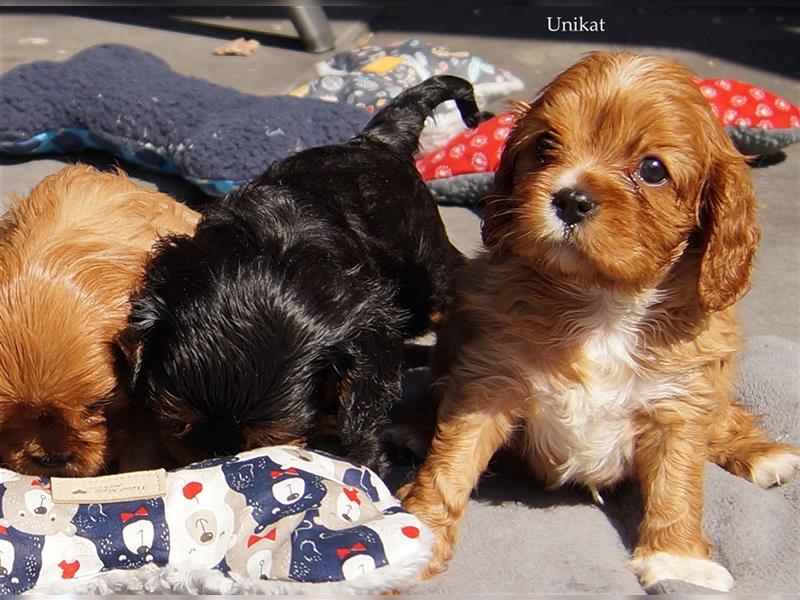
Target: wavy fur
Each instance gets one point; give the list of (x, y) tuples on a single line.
[(71, 251)]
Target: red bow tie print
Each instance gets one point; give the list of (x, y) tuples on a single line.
[(352, 495), (68, 570), (290, 471), (139, 512), (254, 539), (342, 552)]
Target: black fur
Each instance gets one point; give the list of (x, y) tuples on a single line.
[(293, 299)]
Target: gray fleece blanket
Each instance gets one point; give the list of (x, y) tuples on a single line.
[(518, 537)]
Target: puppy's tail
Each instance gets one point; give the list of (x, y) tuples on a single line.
[(400, 123)]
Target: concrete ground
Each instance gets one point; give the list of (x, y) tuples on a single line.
[(754, 45)]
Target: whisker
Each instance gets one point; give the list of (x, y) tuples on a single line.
[(514, 211)]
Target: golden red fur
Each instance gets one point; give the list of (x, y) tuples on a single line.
[(70, 254), (606, 348)]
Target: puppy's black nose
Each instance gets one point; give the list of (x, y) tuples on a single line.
[(573, 206), (54, 460)]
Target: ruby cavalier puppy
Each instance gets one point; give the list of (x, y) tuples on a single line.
[(595, 336), (71, 252)]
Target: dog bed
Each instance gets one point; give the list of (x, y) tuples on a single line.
[(275, 520), (128, 102), (758, 122)]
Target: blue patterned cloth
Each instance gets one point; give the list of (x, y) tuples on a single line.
[(278, 514), (370, 76)]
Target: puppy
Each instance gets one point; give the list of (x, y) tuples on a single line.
[(282, 321), (70, 254), (595, 335)]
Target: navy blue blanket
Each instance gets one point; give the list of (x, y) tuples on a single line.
[(130, 103)]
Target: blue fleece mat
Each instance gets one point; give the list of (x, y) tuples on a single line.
[(131, 104)]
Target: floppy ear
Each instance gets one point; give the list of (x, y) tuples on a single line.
[(495, 213), (129, 348), (130, 342), (732, 231)]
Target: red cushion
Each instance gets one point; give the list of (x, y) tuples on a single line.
[(472, 151), (739, 103), (734, 102)]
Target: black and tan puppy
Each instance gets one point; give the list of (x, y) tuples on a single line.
[(285, 315)]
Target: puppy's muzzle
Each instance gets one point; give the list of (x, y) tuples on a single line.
[(573, 206)]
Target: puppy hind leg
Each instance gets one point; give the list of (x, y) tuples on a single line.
[(427, 282), (741, 447), (468, 433), (444, 264)]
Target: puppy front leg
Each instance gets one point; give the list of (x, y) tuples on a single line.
[(367, 394), (670, 461), (469, 431)]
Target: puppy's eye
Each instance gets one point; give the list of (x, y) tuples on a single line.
[(652, 171), (94, 412), (545, 146)]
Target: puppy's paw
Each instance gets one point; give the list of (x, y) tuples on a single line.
[(368, 454), (403, 491), (776, 468), (436, 517), (434, 568), (659, 566)]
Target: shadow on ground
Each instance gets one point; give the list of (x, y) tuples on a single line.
[(169, 184), (174, 18), (756, 37), (759, 37)]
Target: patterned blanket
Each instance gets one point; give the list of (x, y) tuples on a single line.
[(274, 520)]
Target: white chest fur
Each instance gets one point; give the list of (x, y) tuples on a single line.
[(583, 425)]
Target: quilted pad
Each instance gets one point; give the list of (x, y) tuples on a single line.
[(274, 520)]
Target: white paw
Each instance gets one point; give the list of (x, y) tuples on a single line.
[(776, 469), (664, 565)]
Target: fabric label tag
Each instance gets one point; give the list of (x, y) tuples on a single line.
[(124, 487)]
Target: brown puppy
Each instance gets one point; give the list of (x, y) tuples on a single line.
[(595, 335), (70, 254)]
